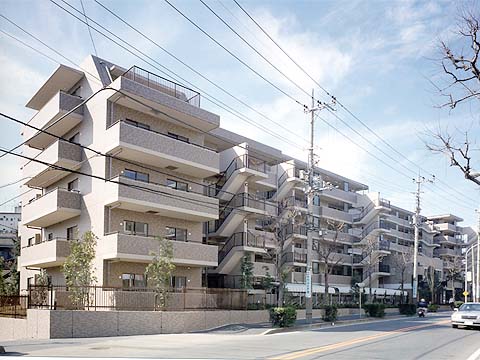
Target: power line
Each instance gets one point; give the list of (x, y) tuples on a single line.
[(205, 94), (15, 182), (195, 71), (341, 104), (88, 27), (126, 95), (255, 50), (235, 56)]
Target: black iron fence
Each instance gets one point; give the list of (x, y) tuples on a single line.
[(13, 306), (99, 298)]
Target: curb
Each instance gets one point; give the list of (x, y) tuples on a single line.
[(325, 324)]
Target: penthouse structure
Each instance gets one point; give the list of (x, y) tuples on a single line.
[(172, 172)]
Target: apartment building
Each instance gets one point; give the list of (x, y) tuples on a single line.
[(153, 131), (172, 172), (8, 232)]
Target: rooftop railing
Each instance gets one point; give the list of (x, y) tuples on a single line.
[(163, 85)]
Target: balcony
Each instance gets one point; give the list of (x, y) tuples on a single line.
[(160, 150), (339, 215), (51, 208), (446, 240), (134, 248), (60, 153), (46, 254), (129, 194), (446, 227), (162, 95), (371, 210), (46, 119), (293, 202), (337, 194), (446, 252), (294, 258), (287, 181), (235, 248), (240, 169)]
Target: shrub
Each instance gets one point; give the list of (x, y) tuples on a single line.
[(374, 310), (458, 304), (283, 316), (407, 309), (433, 307), (330, 313)]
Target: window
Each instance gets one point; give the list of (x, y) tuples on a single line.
[(50, 236), (316, 200), (178, 137), (135, 227), (73, 185), (72, 232), (175, 234), (137, 124), (174, 184), (316, 268), (31, 241), (178, 282), (29, 282), (133, 281), (136, 175)]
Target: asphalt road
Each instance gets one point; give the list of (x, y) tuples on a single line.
[(406, 338)]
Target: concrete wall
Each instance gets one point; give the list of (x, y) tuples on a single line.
[(56, 324)]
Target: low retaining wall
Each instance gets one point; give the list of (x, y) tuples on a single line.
[(12, 329), (57, 324)]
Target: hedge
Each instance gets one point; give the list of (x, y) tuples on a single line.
[(407, 309), (330, 313), (374, 310), (283, 316)]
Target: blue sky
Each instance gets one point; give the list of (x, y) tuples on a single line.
[(376, 57)]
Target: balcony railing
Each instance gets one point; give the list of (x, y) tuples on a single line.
[(384, 268), (292, 172), (242, 200), (292, 201), (239, 162), (240, 239), (166, 86), (374, 226), (293, 257), (291, 229), (371, 206)]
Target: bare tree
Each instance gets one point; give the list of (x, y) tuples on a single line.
[(327, 250), (460, 65), (454, 272), (402, 262), (371, 258)]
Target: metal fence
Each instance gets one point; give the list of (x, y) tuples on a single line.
[(13, 306), (166, 86), (99, 298)]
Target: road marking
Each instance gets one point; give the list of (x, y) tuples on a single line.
[(302, 353), (475, 355)]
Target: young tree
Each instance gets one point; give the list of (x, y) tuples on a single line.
[(460, 64), (371, 258), (78, 269), (159, 272), (327, 250), (246, 268), (402, 261), (454, 273), (431, 277), (268, 280), (39, 295)]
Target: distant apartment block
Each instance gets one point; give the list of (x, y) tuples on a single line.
[(219, 196)]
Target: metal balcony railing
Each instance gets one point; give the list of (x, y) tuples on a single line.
[(292, 172), (163, 85), (240, 239)]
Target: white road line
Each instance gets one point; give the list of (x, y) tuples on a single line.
[(475, 355)]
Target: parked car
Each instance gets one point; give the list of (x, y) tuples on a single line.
[(467, 315)]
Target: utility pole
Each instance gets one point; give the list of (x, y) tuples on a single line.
[(420, 180), (311, 190), (477, 278)]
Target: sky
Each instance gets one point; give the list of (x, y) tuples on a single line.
[(380, 59)]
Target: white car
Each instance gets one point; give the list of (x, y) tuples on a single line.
[(467, 315)]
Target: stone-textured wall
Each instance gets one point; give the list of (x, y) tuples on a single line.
[(172, 198), (56, 324), (12, 329), (156, 224)]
